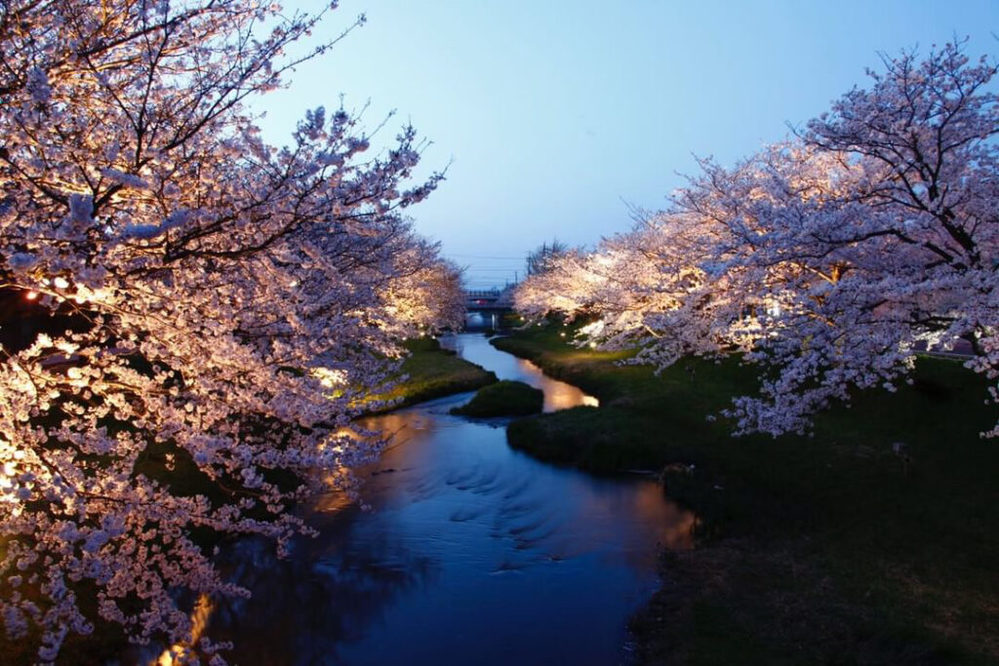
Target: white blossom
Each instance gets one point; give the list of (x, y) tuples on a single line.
[(830, 259), (205, 276)]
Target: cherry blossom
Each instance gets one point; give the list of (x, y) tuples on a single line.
[(829, 260), (177, 294)]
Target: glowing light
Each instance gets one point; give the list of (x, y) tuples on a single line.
[(31, 295), (181, 653), (60, 283), (330, 377)]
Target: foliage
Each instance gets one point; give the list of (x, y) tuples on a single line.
[(430, 371), (185, 289), (504, 398), (829, 260)]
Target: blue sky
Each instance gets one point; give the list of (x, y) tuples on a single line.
[(553, 116)]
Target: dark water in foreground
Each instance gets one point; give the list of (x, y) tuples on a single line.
[(471, 553)]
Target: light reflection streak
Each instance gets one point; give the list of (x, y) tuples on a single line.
[(182, 653), (677, 532), (558, 395)]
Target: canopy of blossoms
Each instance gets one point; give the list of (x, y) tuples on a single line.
[(829, 260), (189, 315)]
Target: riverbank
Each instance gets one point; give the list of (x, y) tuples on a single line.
[(430, 372), (829, 549), (504, 398)]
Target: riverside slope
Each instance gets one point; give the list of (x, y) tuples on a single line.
[(829, 549)]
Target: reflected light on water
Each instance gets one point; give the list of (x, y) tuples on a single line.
[(183, 653), (394, 429), (333, 502), (558, 395), (677, 523)]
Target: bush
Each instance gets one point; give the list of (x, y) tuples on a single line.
[(505, 398)]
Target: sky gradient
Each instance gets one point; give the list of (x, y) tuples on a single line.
[(554, 118)]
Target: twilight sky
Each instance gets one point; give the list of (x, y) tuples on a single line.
[(555, 115)]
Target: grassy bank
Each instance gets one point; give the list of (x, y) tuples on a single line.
[(432, 372), (505, 398), (829, 549)]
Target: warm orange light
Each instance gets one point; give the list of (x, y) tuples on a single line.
[(31, 295), (181, 652)]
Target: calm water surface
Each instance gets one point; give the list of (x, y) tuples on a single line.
[(471, 553)]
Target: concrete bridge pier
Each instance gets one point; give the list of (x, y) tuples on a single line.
[(476, 319), (485, 308)]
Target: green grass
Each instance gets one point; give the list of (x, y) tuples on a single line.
[(905, 553), (432, 372), (505, 398)]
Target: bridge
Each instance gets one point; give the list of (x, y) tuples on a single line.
[(484, 308)]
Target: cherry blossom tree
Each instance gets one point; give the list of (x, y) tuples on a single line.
[(198, 312), (830, 260)]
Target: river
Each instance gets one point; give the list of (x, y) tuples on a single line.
[(469, 553)]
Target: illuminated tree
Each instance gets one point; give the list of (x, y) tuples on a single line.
[(829, 260), (205, 310)]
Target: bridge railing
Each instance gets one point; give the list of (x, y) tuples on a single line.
[(491, 294)]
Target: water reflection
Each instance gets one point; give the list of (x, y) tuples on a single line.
[(186, 652), (558, 395), (325, 595), (471, 553)]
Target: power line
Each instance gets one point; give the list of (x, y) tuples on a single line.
[(498, 281), (483, 256)]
